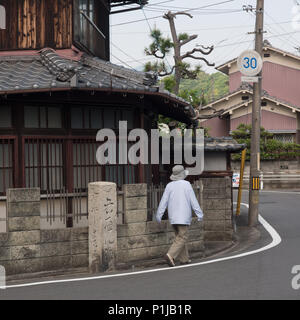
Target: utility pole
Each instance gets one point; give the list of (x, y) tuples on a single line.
[(254, 183)]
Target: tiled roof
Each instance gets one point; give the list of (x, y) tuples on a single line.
[(242, 87), (222, 144), (267, 46), (249, 88), (49, 70)]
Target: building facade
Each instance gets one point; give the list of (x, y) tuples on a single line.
[(280, 107), (58, 89)]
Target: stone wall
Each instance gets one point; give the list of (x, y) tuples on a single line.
[(277, 174), (139, 239), (25, 248), (218, 209)]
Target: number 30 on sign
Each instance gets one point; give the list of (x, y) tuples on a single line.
[(250, 63)]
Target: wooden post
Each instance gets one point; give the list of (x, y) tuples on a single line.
[(256, 120)]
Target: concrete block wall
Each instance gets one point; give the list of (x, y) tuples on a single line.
[(25, 248)]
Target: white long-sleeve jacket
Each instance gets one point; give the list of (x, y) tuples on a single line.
[(180, 199)]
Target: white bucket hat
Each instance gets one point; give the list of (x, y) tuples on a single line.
[(179, 173)]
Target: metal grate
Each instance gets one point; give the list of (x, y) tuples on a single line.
[(8, 150), (44, 164)]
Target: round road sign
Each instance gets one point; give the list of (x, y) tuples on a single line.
[(250, 63)]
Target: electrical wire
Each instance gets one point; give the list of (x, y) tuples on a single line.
[(205, 29), (122, 61), (125, 53), (151, 32), (291, 40), (274, 36), (210, 5)]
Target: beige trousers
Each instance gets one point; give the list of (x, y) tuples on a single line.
[(178, 249)]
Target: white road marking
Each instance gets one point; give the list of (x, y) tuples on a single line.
[(276, 239)]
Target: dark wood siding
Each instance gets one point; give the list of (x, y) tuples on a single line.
[(86, 37), (34, 24)]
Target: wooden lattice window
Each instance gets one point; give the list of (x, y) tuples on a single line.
[(42, 117)]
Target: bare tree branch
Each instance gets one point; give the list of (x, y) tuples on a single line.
[(199, 50), (157, 56), (183, 42), (198, 58), (172, 15), (181, 69), (166, 73), (210, 116), (206, 48), (154, 53)]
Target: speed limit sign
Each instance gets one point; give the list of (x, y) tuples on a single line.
[(250, 63)]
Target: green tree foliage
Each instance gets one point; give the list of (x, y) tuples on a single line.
[(210, 86), (200, 89), (270, 149), (159, 48)]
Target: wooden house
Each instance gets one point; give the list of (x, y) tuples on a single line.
[(58, 88)]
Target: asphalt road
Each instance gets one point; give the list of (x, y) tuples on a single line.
[(265, 275)]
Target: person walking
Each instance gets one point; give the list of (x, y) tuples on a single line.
[(180, 199)]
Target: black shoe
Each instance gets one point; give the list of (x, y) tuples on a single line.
[(170, 260)]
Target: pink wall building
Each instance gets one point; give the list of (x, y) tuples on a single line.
[(280, 101)]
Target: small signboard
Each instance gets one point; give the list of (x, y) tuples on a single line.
[(255, 183), (250, 79), (236, 180), (250, 63)]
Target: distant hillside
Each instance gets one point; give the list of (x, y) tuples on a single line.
[(211, 85)]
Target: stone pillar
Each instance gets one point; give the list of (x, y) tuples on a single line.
[(135, 202), (102, 204), (217, 208), (23, 212)]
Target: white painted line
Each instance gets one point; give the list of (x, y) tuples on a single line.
[(276, 239)]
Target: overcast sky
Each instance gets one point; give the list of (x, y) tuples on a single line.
[(225, 26)]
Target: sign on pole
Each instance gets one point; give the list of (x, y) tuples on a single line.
[(250, 63), (250, 79)]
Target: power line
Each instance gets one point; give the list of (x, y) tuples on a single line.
[(210, 5), (274, 36), (147, 20), (151, 32), (123, 62), (155, 4), (204, 13), (207, 29), (284, 37), (125, 53), (238, 44), (129, 22), (296, 42)]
